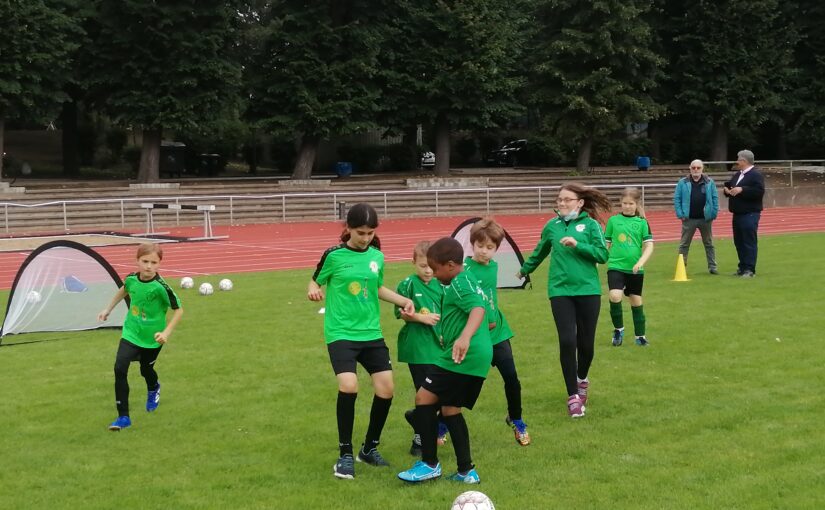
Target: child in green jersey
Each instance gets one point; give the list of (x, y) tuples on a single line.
[(577, 243), (486, 236), (145, 329), (353, 273), (460, 370), (418, 343), (630, 243)]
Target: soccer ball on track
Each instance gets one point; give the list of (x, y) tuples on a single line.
[(206, 289), (472, 500), (225, 284), (187, 283)]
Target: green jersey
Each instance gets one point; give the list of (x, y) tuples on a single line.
[(148, 304), (460, 298), (626, 235), (419, 343), (572, 269), (487, 276), (353, 278)]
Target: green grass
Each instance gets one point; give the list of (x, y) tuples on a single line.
[(724, 410)]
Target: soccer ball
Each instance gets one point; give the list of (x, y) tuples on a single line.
[(33, 297), (472, 500), (225, 284), (206, 289), (187, 283)]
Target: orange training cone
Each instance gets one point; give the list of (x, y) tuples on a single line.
[(681, 272)]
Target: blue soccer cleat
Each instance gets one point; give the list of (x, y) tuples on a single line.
[(618, 337), (153, 399), (345, 467), (642, 341), (470, 476), (121, 423), (421, 472)]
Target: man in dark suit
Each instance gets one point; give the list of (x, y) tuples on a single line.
[(744, 192)]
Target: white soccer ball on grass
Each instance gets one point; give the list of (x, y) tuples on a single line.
[(472, 500), (225, 284), (206, 289), (33, 297), (187, 282)]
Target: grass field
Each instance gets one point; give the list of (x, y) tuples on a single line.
[(723, 410)]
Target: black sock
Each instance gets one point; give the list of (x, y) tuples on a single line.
[(378, 417), (427, 425), (345, 411), (460, 437)]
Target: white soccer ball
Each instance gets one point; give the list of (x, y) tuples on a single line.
[(206, 289), (225, 284), (187, 283), (33, 297), (472, 500)]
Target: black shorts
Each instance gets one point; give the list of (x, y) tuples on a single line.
[(453, 389), (419, 371), (629, 282), (346, 354)]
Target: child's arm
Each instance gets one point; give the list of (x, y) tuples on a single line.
[(462, 344), (541, 252), (314, 292), (647, 251), (161, 337), (430, 319), (119, 295), (390, 296)]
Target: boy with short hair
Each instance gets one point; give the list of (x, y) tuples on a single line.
[(486, 236), (456, 380)]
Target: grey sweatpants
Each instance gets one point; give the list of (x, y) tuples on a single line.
[(689, 227)]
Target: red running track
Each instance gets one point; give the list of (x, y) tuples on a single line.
[(276, 246)]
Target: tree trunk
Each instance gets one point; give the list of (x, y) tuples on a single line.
[(149, 170), (442, 146), (71, 156), (306, 157), (583, 160), (410, 136), (2, 143), (719, 139)]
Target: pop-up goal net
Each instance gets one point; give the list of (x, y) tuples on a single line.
[(507, 256), (62, 286)]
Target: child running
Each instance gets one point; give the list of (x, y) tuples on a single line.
[(630, 243), (577, 243), (418, 343), (460, 370), (353, 273), (145, 329), (486, 236)]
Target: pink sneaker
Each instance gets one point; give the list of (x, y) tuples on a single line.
[(574, 406), (583, 385)]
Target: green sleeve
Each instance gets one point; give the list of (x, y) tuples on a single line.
[(403, 289), (540, 253), (608, 231), (595, 248)]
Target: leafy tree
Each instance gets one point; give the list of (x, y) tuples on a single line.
[(165, 65), (592, 68), (312, 70), (734, 64), (37, 41), (810, 57)]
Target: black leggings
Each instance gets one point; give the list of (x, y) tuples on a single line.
[(128, 352), (576, 318), (503, 360)]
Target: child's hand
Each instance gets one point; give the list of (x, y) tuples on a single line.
[(430, 319), (460, 348), (314, 292), (408, 308), (161, 337), (569, 241), (102, 316), (636, 267)]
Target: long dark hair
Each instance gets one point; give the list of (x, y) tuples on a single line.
[(596, 203), (361, 215)]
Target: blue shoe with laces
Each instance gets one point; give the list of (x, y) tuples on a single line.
[(470, 476), (121, 423), (421, 472), (153, 399)]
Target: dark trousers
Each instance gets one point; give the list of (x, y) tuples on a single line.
[(128, 352), (689, 226), (745, 226), (503, 360), (576, 318)]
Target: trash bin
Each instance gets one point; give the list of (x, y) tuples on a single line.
[(343, 168), (643, 163), (172, 158), (209, 164)]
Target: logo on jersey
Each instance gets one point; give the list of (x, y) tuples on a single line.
[(424, 310), (354, 288), (622, 237), (374, 266), (580, 227)]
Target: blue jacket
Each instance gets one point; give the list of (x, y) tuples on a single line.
[(681, 198)]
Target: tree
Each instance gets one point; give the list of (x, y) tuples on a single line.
[(734, 64), (810, 57), (35, 46), (592, 69), (312, 71), (165, 65)]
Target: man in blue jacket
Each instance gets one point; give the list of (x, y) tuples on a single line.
[(696, 202), (745, 191)]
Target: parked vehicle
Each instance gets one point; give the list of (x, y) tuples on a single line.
[(427, 160), (508, 155)]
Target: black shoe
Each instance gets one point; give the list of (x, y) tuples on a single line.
[(345, 467), (747, 274), (371, 457), (737, 273), (713, 271), (415, 447)]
